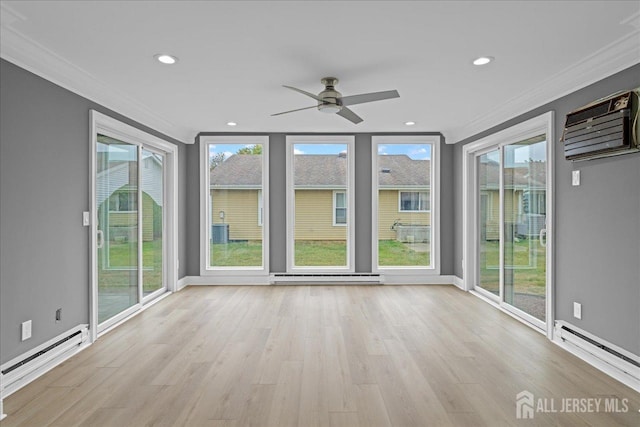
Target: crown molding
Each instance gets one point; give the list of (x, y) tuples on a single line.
[(617, 56), (34, 57)]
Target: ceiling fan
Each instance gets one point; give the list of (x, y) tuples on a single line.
[(332, 101)]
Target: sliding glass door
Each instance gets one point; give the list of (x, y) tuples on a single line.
[(130, 197), (118, 225), (511, 199)]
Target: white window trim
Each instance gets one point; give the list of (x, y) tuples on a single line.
[(102, 124), (260, 208), (543, 123), (205, 220), (434, 189), (348, 140), (412, 191), (335, 192)]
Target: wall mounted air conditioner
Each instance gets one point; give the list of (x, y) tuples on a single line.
[(607, 127)]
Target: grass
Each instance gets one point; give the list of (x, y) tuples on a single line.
[(392, 253), (527, 266), (315, 253), (320, 253), (236, 254), (117, 275)]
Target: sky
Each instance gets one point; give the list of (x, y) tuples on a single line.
[(415, 151)]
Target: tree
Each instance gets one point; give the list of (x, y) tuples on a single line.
[(251, 149), (216, 159)]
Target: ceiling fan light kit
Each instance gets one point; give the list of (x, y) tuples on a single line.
[(332, 101)]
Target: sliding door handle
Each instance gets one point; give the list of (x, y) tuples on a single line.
[(100, 239), (543, 237)]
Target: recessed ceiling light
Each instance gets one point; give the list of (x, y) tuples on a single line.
[(166, 59), (483, 60), (232, 124), (409, 123)]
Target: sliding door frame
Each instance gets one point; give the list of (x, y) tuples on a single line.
[(100, 123), (543, 123)]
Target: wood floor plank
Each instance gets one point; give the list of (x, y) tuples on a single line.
[(316, 356)]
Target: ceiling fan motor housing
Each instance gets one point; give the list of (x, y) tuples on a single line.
[(329, 97)]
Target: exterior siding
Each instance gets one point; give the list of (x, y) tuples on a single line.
[(513, 214), (314, 216), (129, 219), (389, 212), (241, 213)]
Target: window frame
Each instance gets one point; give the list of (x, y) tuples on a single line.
[(419, 199), (349, 141), (434, 268), (205, 219), (336, 207)]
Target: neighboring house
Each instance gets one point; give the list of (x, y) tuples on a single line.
[(320, 196), (524, 199), (117, 199)]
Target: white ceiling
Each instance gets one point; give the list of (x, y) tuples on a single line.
[(234, 57)]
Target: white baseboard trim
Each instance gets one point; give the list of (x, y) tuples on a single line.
[(249, 280), (223, 280), (182, 283), (458, 282), (622, 371), (416, 279)]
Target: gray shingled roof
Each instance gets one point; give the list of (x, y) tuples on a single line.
[(520, 175), (317, 170)]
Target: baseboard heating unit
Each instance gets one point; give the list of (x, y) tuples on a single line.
[(23, 369), (609, 358), (321, 278)]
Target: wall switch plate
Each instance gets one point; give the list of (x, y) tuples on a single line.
[(26, 330), (575, 178), (86, 219), (577, 310)]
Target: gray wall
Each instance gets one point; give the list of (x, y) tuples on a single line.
[(597, 226), (44, 188), (277, 203)]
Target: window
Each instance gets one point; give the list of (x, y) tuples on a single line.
[(414, 201), (124, 201), (320, 175), (233, 203), (339, 208), (405, 203), (260, 208)]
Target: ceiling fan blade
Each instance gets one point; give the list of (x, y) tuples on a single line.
[(304, 92), (349, 115), (293, 111), (369, 97)]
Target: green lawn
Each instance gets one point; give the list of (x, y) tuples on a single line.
[(392, 253), (312, 253), (236, 254), (118, 272), (524, 259)]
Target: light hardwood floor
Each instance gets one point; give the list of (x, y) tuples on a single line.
[(316, 356)]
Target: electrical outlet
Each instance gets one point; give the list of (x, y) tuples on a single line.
[(58, 315), (26, 330), (577, 310)]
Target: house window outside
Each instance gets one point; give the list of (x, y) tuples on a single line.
[(339, 208), (124, 201), (234, 200), (405, 203), (414, 201)]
